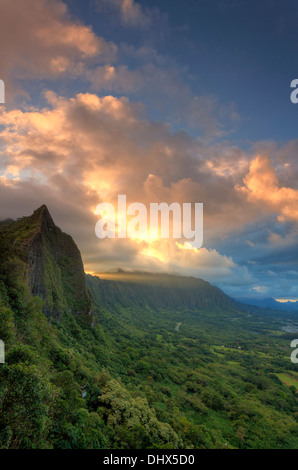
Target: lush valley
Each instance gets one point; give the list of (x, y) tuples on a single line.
[(133, 360)]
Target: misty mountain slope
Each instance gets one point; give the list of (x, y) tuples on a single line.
[(157, 290), (138, 302)]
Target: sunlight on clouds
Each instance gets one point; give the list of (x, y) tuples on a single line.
[(175, 255), (261, 185), (40, 40), (59, 64), (5, 181), (12, 172), (223, 167), (89, 149), (77, 36)]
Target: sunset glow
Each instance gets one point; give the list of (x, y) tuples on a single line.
[(99, 106)]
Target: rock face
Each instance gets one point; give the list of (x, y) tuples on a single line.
[(157, 291), (54, 267)]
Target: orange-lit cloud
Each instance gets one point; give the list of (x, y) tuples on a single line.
[(80, 151), (39, 39), (72, 151), (261, 185)]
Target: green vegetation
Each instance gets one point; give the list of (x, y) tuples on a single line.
[(124, 377), (289, 378)]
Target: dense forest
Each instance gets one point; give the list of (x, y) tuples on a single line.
[(133, 360)]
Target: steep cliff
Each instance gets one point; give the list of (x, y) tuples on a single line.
[(157, 291), (53, 265)]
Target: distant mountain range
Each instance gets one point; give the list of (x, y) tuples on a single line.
[(269, 302)]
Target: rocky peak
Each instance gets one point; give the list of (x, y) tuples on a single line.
[(55, 270), (43, 216)]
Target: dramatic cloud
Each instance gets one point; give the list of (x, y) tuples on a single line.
[(147, 126), (39, 39), (161, 84), (261, 185), (78, 152), (105, 144)]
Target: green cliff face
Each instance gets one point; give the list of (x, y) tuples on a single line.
[(52, 264), (157, 291)]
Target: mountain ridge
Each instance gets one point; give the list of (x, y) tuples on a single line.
[(157, 290), (53, 265)]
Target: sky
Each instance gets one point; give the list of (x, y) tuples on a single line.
[(161, 101)]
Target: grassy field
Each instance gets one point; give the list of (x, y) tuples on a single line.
[(289, 378)]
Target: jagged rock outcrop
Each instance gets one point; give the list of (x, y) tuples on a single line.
[(54, 267)]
